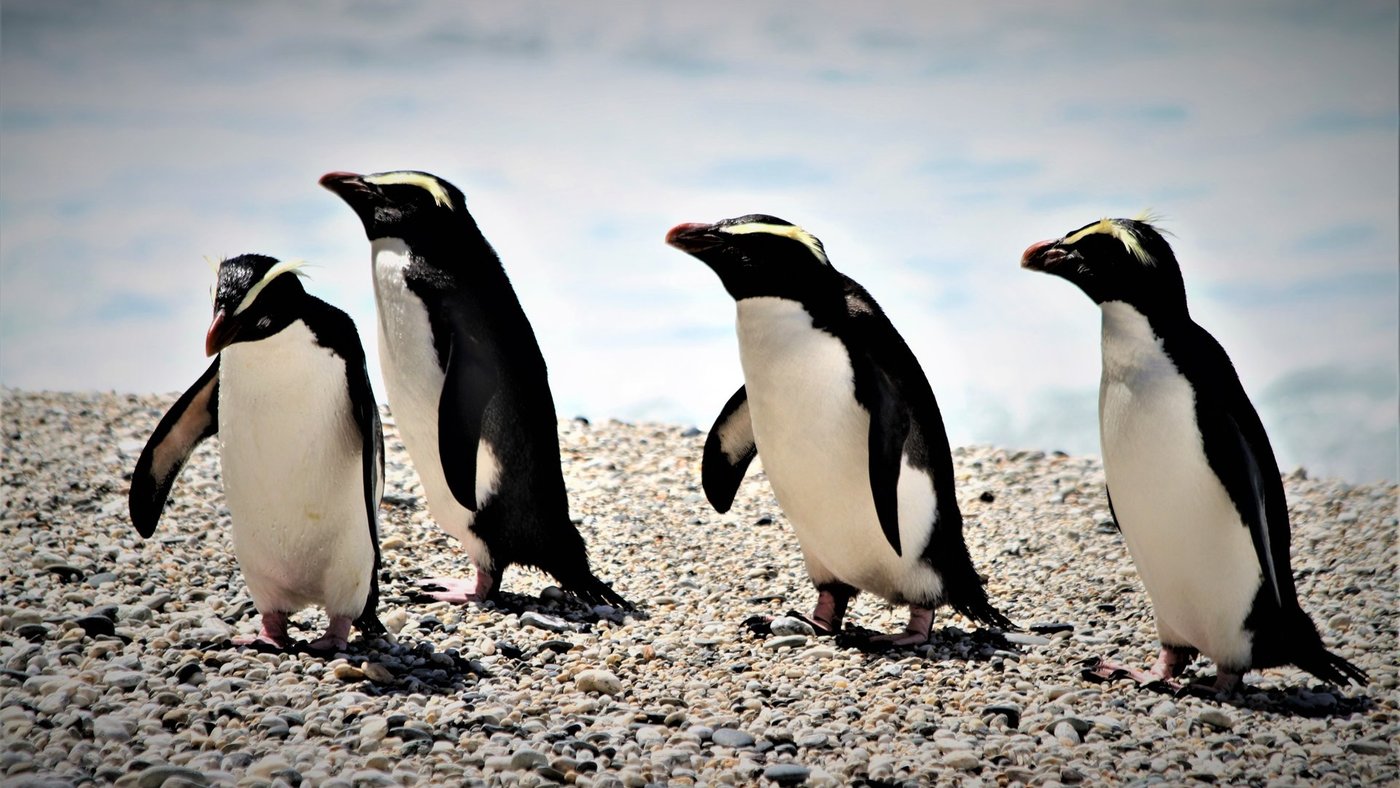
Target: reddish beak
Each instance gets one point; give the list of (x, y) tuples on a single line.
[(218, 336), (1040, 256)]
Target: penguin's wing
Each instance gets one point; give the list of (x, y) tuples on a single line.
[(886, 377), (471, 382), (1239, 453), (728, 451), (193, 417), (366, 414), (889, 429)]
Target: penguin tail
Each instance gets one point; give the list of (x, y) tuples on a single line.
[(1331, 668), (979, 609), (369, 624), (596, 592)]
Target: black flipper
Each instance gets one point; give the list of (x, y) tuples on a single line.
[(889, 429), (366, 413), (193, 417), (471, 383), (728, 451)]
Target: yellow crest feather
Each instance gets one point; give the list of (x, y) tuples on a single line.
[(426, 182), (293, 266), (1125, 236), (785, 230)]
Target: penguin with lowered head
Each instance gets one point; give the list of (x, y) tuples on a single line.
[(467, 385), (300, 448)]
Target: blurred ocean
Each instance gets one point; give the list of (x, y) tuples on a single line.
[(927, 144)]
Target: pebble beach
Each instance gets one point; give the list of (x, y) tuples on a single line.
[(117, 666)]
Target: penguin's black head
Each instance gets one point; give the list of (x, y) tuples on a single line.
[(256, 297), (401, 204), (1124, 260), (755, 255)]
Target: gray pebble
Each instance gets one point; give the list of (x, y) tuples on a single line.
[(730, 737), (157, 776), (787, 625), (526, 759)]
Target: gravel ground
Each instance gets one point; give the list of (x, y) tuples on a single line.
[(116, 666)]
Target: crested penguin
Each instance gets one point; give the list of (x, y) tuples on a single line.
[(1192, 480), (467, 385), (846, 423), (300, 448)]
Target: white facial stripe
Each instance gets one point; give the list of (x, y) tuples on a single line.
[(785, 230), (272, 273), (432, 185), (1111, 228)]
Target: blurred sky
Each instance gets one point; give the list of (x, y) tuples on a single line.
[(927, 144)]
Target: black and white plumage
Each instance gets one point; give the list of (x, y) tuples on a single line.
[(1192, 479), (849, 431), (300, 446), (467, 385)]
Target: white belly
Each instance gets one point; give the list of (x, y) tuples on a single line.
[(813, 440), (293, 476), (1185, 536), (413, 382)]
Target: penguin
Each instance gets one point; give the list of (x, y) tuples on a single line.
[(1192, 480), (468, 386), (847, 425), (300, 447)]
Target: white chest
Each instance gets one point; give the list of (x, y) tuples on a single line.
[(413, 381), (293, 475), (813, 440), (1195, 556)]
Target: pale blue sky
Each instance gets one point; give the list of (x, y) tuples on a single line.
[(926, 144)]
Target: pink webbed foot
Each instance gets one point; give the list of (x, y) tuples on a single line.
[(273, 634), (1171, 661), (459, 591), (337, 637), (915, 633)]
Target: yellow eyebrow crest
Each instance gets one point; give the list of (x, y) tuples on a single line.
[(426, 182), (1111, 228), (785, 230), (272, 273)]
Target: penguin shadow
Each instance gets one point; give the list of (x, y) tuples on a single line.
[(1319, 701), (564, 611), (376, 663), (949, 643)]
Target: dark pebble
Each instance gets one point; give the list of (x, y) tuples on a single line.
[(292, 776), (557, 646), (690, 432), (32, 632), (764, 520), (97, 625), (413, 734), (987, 497), (550, 773), (187, 671), (1050, 627), (1011, 712), (787, 773), (65, 572)]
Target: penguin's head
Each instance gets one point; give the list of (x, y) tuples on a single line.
[(256, 296), (399, 204), (1124, 260), (755, 255)]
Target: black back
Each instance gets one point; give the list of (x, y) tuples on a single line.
[(906, 422), (1129, 261), (497, 385)]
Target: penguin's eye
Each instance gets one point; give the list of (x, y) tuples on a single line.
[(264, 322)]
